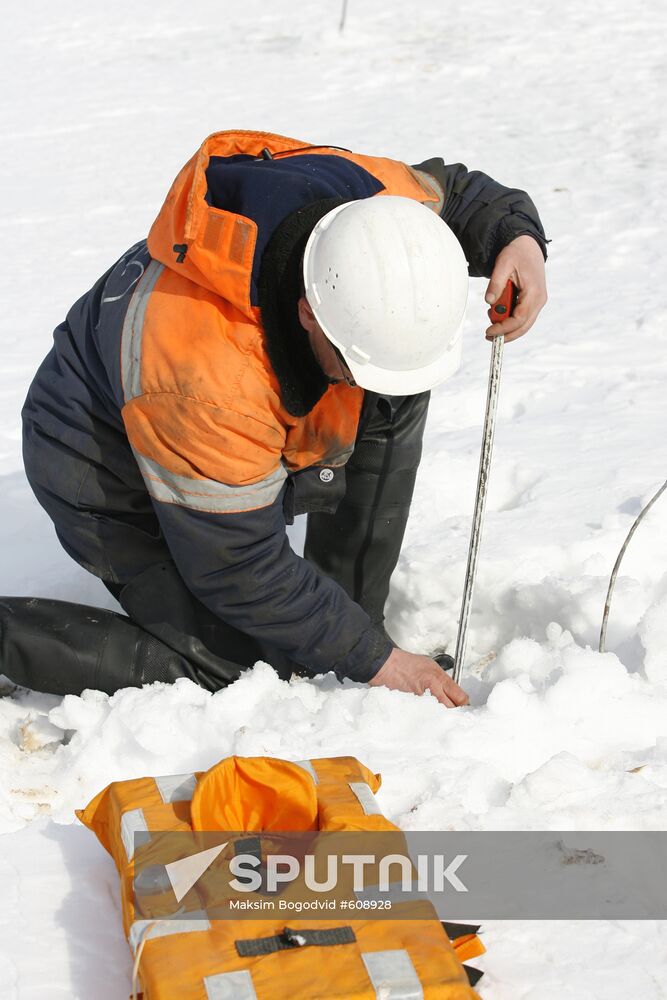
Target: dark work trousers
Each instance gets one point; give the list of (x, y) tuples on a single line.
[(358, 546)]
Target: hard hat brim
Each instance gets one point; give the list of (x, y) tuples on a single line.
[(406, 383)]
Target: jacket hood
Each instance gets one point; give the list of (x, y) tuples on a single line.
[(228, 200)]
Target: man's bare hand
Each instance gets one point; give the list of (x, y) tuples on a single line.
[(416, 674), (523, 262)]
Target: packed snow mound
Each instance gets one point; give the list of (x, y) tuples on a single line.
[(557, 737), (653, 635)]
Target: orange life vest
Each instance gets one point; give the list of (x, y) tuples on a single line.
[(200, 959)]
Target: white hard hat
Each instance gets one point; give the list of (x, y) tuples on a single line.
[(387, 281)]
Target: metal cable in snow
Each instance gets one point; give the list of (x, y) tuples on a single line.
[(617, 565)]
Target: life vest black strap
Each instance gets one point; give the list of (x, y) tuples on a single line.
[(453, 930), (290, 938), (474, 975), (248, 845)]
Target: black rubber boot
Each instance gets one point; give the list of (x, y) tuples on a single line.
[(216, 653), (62, 648)]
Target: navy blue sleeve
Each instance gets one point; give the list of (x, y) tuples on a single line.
[(242, 567)]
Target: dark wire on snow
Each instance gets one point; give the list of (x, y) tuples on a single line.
[(617, 564)]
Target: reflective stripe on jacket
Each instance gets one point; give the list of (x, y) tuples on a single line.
[(162, 374), (203, 407)]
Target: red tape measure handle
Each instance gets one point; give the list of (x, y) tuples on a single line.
[(504, 306)]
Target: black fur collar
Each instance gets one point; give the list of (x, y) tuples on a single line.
[(302, 381)]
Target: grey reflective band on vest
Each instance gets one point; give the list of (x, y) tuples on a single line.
[(207, 494), (133, 823), (133, 329), (230, 986), (176, 787), (307, 766), (366, 798), (393, 975), (142, 930)]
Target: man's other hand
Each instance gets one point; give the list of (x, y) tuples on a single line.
[(523, 262), (417, 674)]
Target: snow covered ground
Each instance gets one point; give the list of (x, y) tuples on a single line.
[(101, 107)]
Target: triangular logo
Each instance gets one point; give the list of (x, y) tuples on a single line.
[(184, 873)]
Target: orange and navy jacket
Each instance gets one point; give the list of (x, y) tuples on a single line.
[(169, 349)]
